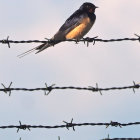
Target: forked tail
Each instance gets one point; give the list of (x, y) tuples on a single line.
[(38, 49)]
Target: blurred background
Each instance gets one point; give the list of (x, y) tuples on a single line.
[(69, 64)]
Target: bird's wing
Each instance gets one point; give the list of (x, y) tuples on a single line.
[(73, 21)]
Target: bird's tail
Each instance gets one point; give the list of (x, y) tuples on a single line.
[(38, 49)]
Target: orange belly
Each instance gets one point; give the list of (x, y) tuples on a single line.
[(79, 31)]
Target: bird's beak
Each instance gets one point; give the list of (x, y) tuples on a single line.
[(96, 7)]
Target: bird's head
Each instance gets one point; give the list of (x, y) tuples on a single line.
[(88, 7)]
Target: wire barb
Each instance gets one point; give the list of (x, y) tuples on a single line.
[(50, 41), (136, 86), (6, 90), (48, 88), (6, 41), (69, 124), (98, 89), (115, 124), (21, 126), (93, 39), (138, 37)]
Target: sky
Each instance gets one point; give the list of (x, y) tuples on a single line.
[(69, 64)]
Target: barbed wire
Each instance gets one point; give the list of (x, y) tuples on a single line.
[(68, 125), (48, 89), (85, 40), (122, 139), (57, 139), (108, 138)]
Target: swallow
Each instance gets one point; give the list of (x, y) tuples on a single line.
[(75, 27)]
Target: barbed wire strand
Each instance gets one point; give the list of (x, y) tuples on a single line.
[(108, 138), (122, 139), (48, 89), (57, 139), (68, 125), (85, 40)]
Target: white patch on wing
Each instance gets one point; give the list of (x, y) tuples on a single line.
[(79, 31)]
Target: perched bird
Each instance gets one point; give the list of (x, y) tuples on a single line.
[(75, 27)]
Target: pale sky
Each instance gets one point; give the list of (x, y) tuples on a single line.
[(68, 64)]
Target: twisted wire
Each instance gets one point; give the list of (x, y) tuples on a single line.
[(68, 125), (87, 39), (49, 89)]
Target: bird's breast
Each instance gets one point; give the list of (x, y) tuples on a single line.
[(79, 31)]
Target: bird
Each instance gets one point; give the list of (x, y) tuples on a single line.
[(75, 27)]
